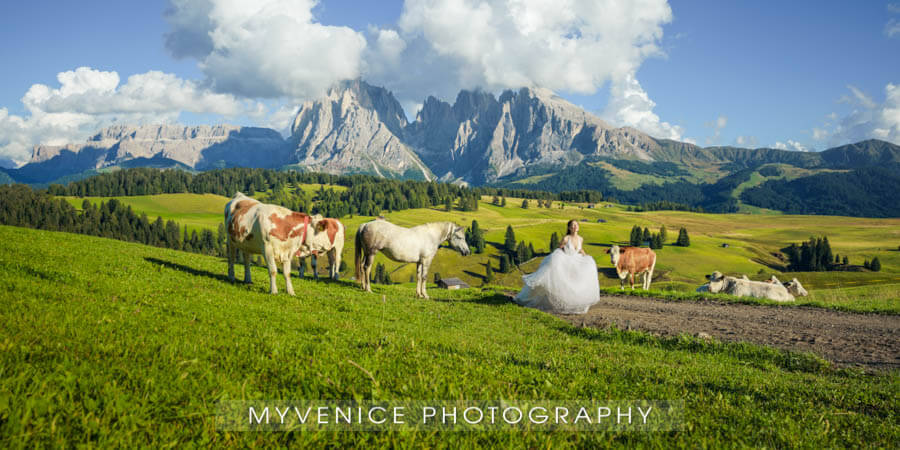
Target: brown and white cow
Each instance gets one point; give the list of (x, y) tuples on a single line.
[(328, 238), (633, 261), (275, 232)]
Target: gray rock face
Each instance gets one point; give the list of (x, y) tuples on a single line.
[(199, 147), (481, 138), (359, 128), (355, 128)]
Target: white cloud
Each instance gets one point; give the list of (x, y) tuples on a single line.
[(629, 105), (563, 45), (281, 118), (265, 48), (88, 99), (575, 46), (746, 141), (868, 119), (276, 49), (791, 145), (892, 28), (894, 8), (860, 97), (717, 125)]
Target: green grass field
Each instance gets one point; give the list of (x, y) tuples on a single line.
[(752, 239), (112, 344)]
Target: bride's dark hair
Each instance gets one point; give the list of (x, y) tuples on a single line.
[(569, 226)]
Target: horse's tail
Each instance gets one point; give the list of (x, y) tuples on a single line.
[(358, 252)]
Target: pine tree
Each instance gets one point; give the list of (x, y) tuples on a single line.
[(826, 254), (503, 201), (495, 201), (437, 277), (793, 253), (525, 203), (846, 260), (488, 273), (448, 203), (220, 238), (636, 236), (645, 236), (504, 263), (530, 250), (509, 243), (554, 242), (521, 253), (656, 241), (875, 265), (663, 234), (683, 239)]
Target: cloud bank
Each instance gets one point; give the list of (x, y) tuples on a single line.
[(276, 49), (88, 99), (868, 119), (261, 58)]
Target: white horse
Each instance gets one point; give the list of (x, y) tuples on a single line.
[(417, 244)]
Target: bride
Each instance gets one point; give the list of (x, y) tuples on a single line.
[(566, 281)]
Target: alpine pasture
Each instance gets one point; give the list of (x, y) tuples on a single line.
[(117, 344), (753, 241)]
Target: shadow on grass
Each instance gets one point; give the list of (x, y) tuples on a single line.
[(189, 270), (239, 269), (495, 299)]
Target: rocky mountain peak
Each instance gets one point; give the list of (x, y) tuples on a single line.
[(355, 127)]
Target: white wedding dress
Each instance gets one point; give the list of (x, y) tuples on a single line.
[(566, 283)]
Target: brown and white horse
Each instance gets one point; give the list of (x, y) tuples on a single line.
[(327, 239), (276, 233), (417, 244)]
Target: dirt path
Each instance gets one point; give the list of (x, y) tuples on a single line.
[(849, 339)]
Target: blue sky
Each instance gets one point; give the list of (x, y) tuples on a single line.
[(797, 75)]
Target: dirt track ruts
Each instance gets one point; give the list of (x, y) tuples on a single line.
[(871, 341)]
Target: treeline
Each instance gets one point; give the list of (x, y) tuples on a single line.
[(657, 240), (656, 168), (715, 197), (23, 207), (870, 192), (814, 255), (365, 195), (664, 205)]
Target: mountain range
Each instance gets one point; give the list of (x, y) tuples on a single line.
[(516, 139)]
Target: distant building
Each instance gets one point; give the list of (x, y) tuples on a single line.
[(452, 283)]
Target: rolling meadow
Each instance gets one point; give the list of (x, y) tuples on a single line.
[(753, 244), (114, 344)]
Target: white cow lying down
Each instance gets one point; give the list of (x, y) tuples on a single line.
[(744, 287), (794, 287)]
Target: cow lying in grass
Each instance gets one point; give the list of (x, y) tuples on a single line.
[(744, 287), (794, 287), (631, 261), (327, 239), (275, 232)]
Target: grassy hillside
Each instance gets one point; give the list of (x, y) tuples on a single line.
[(752, 240), (125, 345)]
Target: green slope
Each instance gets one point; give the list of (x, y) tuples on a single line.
[(113, 344), (752, 239)]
